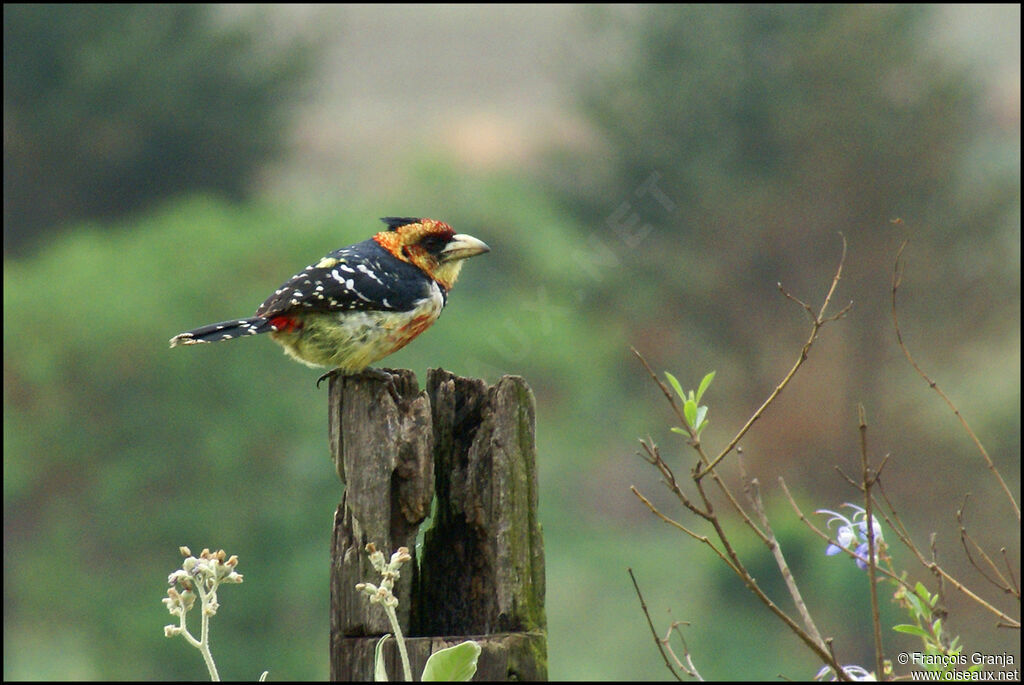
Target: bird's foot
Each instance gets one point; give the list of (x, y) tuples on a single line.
[(332, 372), (388, 379), (380, 375), (375, 374)]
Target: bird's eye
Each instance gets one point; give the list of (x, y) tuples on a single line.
[(433, 243)]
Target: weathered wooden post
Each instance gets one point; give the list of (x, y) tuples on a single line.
[(480, 572)]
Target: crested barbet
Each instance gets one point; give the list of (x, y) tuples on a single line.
[(359, 303)]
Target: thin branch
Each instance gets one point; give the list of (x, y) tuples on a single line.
[(754, 494), (896, 524), (817, 321), (845, 477), (897, 279), (675, 524), (1000, 581), (669, 477), (811, 637), (650, 623), (831, 541), (867, 481), (689, 666), (696, 444), (937, 570), (732, 560), (817, 646), (1009, 572), (694, 440), (939, 610)]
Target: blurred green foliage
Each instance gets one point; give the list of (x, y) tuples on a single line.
[(115, 476), (732, 143), (118, 450), (111, 107), (768, 133)]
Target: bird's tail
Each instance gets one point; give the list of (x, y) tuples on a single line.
[(225, 330)]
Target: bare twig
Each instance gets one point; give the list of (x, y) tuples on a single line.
[(754, 494), (897, 279), (706, 466), (696, 444), (669, 477), (817, 321), (868, 479), (1009, 572), (939, 610), (689, 666), (817, 646), (897, 525), (830, 540), (704, 539), (694, 440), (732, 560), (650, 623), (1000, 581)]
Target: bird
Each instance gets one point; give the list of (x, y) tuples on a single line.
[(360, 303)]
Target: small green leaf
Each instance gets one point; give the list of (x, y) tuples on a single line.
[(701, 413), (380, 672), (912, 630), (690, 412), (677, 429), (675, 384), (916, 605), (705, 382), (456, 663)]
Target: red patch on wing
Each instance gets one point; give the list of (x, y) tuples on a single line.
[(408, 332), (285, 324)]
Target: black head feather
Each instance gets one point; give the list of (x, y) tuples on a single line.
[(396, 222)]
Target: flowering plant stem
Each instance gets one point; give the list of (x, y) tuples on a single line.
[(393, 617), (204, 631), (384, 595), (199, 576)]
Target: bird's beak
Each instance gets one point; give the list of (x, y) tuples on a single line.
[(463, 246)]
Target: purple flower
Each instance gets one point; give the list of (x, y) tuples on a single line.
[(852, 533), (852, 671)]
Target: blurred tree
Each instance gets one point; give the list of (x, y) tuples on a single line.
[(108, 108), (731, 143), (746, 137)]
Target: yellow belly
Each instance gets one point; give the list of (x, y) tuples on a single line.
[(352, 340)]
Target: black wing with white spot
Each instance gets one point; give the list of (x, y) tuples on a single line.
[(361, 277)]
